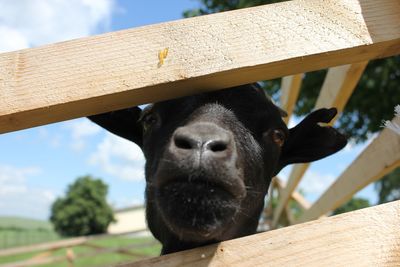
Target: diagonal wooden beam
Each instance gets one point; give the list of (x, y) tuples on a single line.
[(120, 69), (296, 196), (339, 85), (336, 90), (290, 89), (379, 158)]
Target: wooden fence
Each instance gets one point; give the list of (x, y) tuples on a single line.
[(46, 253), (147, 64)]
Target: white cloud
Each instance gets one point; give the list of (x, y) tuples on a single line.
[(27, 23), (11, 39), (80, 130), (19, 199), (119, 158), (12, 180), (315, 182), (51, 138)]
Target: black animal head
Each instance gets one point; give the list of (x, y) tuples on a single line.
[(210, 159)]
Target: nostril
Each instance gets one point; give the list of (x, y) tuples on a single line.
[(217, 145), (184, 142)]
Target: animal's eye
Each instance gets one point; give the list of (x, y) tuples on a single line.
[(148, 120), (278, 136)]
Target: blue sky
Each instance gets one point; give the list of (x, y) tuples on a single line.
[(37, 164)]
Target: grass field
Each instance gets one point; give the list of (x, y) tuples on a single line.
[(15, 231), (24, 223), (20, 232), (87, 256)]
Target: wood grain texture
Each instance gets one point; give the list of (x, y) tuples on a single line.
[(378, 159), (120, 69), (368, 237)]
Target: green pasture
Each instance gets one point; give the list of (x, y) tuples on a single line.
[(87, 256), (21, 232), (15, 231)]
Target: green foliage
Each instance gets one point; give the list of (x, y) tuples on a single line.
[(84, 209), (353, 204), (212, 6), (389, 187)]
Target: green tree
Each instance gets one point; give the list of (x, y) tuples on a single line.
[(353, 204), (389, 187), (84, 209), (373, 100)]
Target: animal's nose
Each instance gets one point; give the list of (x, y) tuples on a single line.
[(203, 138)]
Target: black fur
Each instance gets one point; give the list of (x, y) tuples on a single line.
[(210, 159)]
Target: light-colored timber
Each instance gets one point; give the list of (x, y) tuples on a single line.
[(116, 70), (378, 159), (290, 87), (70, 242), (338, 86), (367, 237)]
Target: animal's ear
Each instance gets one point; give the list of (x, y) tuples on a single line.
[(309, 141), (124, 123)]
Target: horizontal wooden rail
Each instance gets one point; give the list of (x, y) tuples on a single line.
[(120, 69), (368, 237), (338, 86), (378, 159), (48, 259), (70, 242)]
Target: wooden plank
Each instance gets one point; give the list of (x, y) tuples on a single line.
[(290, 89), (71, 256), (338, 86), (296, 196), (76, 241), (378, 159), (296, 174), (303, 203), (343, 240), (44, 246), (120, 69)]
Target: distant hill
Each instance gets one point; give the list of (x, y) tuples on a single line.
[(7, 222)]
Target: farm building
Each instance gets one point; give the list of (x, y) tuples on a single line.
[(128, 219)]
